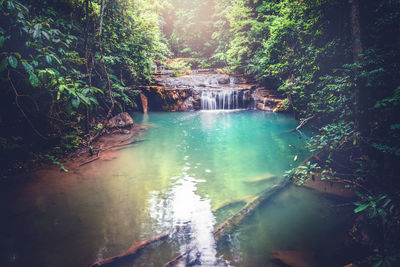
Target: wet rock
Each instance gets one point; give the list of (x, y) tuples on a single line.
[(183, 94), (223, 80), (261, 106), (143, 98), (196, 106), (120, 121)]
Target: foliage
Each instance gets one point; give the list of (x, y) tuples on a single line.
[(179, 67), (52, 71), (55, 161), (301, 173), (189, 26), (331, 136)]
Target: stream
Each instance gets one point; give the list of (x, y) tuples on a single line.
[(189, 164)]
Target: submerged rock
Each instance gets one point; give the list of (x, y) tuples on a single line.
[(120, 121), (294, 258)]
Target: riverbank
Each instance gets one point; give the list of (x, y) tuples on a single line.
[(103, 148)]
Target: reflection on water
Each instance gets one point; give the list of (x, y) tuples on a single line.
[(189, 163), (181, 206)]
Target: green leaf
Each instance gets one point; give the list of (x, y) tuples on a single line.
[(361, 208), (61, 88), (3, 64), (27, 67), (75, 102), (57, 59), (18, 55), (83, 98), (10, 5), (94, 100), (46, 35), (48, 59), (2, 39), (35, 34), (12, 61), (33, 79)]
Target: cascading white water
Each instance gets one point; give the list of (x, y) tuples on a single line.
[(223, 99)]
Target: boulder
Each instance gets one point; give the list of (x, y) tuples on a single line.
[(223, 80), (120, 121), (260, 106), (196, 104)]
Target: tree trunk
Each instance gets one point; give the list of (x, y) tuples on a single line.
[(101, 17), (355, 29), (88, 71), (107, 76), (357, 50)]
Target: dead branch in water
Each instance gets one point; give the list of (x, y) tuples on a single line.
[(108, 148), (227, 226), (133, 249), (302, 123), (127, 144), (235, 219), (89, 161), (223, 229), (245, 200)]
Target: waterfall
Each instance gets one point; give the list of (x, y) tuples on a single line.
[(223, 99)]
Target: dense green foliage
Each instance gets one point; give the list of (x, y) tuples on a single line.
[(189, 26), (52, 72)]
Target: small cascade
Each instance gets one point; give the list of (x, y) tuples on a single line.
[(223, 99), (232, 81)]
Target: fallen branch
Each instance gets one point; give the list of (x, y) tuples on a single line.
[(223, 229), (89, 161), (127, 144), (108, 148), (302, 123), (133, 249), (227, 226), (244, 200)]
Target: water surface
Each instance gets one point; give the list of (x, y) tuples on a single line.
[(188, 164)]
